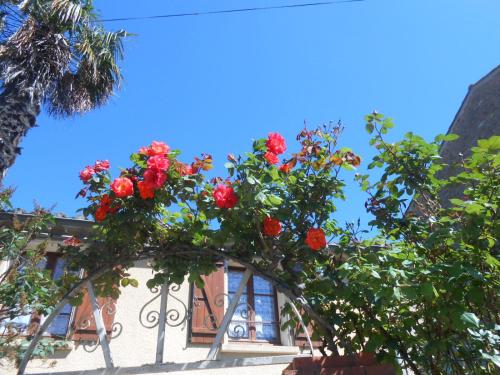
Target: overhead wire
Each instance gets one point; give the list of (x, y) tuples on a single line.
[(237, 10)]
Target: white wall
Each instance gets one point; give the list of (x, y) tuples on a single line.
[(136, 345)]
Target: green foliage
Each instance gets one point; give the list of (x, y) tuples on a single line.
[(25, 286), (421, 293), (424, 291)]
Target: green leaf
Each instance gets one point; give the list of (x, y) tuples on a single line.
[(397, 293), (470, 319), (273, 200)]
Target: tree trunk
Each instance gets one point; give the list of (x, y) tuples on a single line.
[(18, 113)]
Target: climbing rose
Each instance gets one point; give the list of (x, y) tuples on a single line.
[(154, 178), (72, 241), (316, 238), (101, 165), (272, 227), (225, 197), (271, 157), (158, 148), (158, 162), (122, 187), (87, 173), (145, 190), (101, 213), (286, 168), (276, 143), (106, 201)]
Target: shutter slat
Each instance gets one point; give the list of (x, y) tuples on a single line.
[(84, 327), (207, 315)]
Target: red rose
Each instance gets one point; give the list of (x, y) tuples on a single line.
[(105, 200), (144, 150), (316, 238), (154, 178), (158, 148), (276, 143), (122, 187), (286, 168), (87, 174), (271, 157), (158, 162), (101, 213), (145, 190), (72, 241), (272, 227), (225, 197), (101, 165)]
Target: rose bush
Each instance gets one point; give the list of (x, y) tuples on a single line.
[(421, 291)]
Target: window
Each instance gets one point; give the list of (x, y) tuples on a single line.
[(60, 324), (256, 315), (28, 322), (255, 318)]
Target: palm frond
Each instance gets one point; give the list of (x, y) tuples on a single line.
[(58, 49), (96, 76)]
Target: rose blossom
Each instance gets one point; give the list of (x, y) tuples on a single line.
[(271, 157), (315, 238), (276, 143), (225, 197), (101, 213), (72, 241), (154, 178), (286, 168), (158, 148), (122, 187), (87, 173), (158, 162), (101, 165), (272, 227), (145, 190)]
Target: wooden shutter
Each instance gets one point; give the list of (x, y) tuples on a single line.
[(207, 307), (84, 327)]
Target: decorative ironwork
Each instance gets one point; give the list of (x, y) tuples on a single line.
[(108, 308), (175, 316)]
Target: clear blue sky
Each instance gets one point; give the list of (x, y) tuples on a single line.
[(212, 83)]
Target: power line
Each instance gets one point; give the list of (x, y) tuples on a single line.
[(225, 11)]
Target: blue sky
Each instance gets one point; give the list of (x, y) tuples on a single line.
[(212, 83)]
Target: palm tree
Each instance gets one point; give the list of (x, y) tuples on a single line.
[(53, 53)]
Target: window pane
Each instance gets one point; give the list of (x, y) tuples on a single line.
[(59, 325), (234, 279), (238, 328), (261, 286), (266, 325), (59, 268)]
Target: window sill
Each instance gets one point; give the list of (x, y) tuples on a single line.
[(256, 348)]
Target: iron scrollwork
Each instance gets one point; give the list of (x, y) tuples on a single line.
[(175, 316), (108, 308)]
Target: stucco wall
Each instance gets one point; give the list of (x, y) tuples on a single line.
[(136, 345)]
